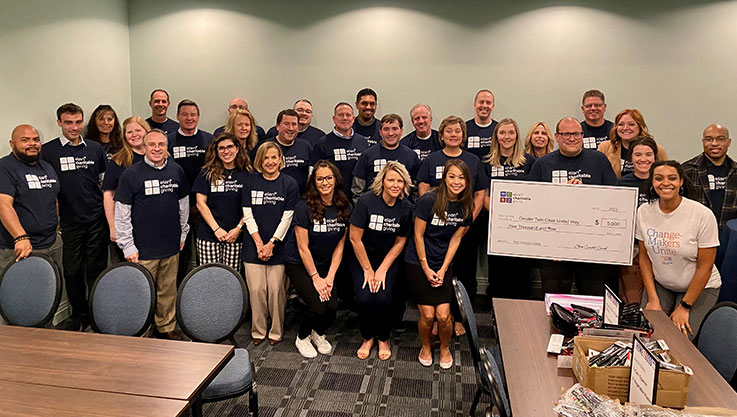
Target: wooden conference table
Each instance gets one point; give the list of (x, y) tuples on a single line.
[(126, 373), (535, 382)]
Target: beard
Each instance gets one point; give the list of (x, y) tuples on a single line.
[(28, 159)]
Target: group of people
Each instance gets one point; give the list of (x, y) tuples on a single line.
[(363, 213)]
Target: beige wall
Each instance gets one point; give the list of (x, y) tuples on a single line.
[(676, 63), (53, 52)]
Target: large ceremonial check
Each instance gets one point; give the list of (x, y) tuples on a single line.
[(586, 223)]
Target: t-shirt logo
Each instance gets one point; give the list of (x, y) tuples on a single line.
[(560, 176), (376, 222), (439, 172), (320, 227), (717, 183), (218, 187), (590, 142), (436, 221), (474, 142), (257, 198), (498, 171), (180, 152), (418, 152), (151, 187), (340, 155), (379, 164), (33, 182), (67, 163)]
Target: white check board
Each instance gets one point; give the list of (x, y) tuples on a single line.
[(585, 223)]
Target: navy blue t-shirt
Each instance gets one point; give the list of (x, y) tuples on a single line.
[(311, 134), (717, 176), (189, 152), (381, 223), (509, 172), (437, 232), (79, 168), (297, 157), (268, 200), (595, 136), (479, 138), (369, 131), (374, 158), (422, 147), (34, 189), (590, 166), (431, 170), (113, 172), (260, 134), (323, 236), (344, 153), (630, 180), (154, 195), (168, 126), (224, 199)]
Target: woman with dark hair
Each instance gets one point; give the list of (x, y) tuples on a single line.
[(678, 241), (313, 253), (269, 199), (643, 153), (104, 128), (134, 128), (628, 125), (442, 217), (218, 190), (380, 224)]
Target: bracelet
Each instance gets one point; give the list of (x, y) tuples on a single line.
[(313, 274), (686, 305), (239, 226), (21, 237), (217, 229), (423, 260)]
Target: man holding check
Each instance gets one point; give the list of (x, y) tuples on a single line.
[(572, 164)]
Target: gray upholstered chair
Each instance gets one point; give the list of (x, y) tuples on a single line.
[(211, 306), (717, 339), (30, 291), (123, 300), (488, 377)]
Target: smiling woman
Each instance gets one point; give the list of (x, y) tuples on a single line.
[(628, 125)]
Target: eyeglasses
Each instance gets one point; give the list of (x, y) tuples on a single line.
[(226, 148), (719, 139), (568, 135), (328, 178), (235, 106), (594, 105), (301, 110)]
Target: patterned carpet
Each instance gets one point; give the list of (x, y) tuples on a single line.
[(341, 385)]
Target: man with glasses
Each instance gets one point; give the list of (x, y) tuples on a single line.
[(595, 128), (713, 174), (305, 129), (573, 164), (240, 104)]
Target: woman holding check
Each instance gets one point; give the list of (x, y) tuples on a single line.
[(442, 217), (678, 241), (380, 224)]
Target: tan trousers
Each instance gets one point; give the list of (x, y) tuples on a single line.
[(267, 289), (631, 287), (164, 272)]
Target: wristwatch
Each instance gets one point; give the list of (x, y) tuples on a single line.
[(274, 240), (686, 305)]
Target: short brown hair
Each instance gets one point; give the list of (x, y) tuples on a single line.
[(389, 118), (448, 121), (69, 108), (187, 102), (593, 93)]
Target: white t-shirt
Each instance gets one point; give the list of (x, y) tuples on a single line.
[(672, 241)]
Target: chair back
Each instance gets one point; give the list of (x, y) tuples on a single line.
[(211, 303), (30, 291), (717, 338), (123, 300), (469, 322), (493, 377)]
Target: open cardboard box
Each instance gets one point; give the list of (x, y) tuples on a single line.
[(613, 381)]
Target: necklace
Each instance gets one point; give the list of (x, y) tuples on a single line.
[(228, 173)]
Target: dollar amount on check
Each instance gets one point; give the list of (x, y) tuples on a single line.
[(585, 223)]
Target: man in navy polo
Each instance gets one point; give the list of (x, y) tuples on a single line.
[(480, 129), (80, 166), (151, 213), (159, 103), (424, 139), (305, 130), (366, 124), (297, 152), (28, 190)]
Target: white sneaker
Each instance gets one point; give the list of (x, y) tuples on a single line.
[(305, 348), (323, 346)]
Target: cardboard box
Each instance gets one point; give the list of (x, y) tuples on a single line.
[(613, 381)]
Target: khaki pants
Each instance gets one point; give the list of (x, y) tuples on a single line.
[(164, 272), (267, 289)]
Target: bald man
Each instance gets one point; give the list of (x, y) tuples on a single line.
[(240, 104), (713, 174), (28, 192)]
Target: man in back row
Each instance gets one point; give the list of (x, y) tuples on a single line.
[(366, 124), (240, 104), (159, 103), (480, 129), (424, 139), (305, 129), (595, 128)]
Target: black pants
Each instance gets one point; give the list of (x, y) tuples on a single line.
[(509, 277), (320, 314), (558, 276), (84, 257), (116, 254), (465, 262), (374, 309)]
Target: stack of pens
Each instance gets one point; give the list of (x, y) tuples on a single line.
[(620, 354)]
